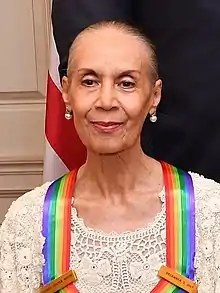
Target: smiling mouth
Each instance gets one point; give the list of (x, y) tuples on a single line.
[(106, 127)]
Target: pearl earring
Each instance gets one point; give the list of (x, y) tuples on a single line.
[(68, 114), (153, 118)]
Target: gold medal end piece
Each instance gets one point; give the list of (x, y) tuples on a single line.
[(59, 283), (178, 280)]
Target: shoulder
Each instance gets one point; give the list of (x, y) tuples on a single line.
[(207, 201), (207, 193), (207, 204), (21, 243), (24, 214), (27, 205)]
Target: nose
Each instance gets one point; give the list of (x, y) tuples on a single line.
[(107, 97)]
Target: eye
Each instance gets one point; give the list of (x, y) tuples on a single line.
[(89, 82), (127, 84)]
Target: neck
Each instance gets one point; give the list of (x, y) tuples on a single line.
[(119, 175)]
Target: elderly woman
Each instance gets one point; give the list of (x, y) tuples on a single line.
[(122, 216)]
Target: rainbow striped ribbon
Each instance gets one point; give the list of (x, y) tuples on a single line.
[(57, 229), (180, 227)]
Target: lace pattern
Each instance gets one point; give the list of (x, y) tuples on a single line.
[(126, 262)]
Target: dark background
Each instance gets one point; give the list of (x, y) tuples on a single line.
[(187, 37)]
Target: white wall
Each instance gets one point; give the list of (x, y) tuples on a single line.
[(23, 73)]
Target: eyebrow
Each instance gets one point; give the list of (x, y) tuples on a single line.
[(129, 73), (87, 71)]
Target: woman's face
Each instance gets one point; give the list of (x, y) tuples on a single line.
[(109, 90)]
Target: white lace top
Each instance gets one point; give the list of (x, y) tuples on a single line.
[(109, 263)]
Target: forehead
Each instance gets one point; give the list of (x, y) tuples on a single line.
[(109, 49)]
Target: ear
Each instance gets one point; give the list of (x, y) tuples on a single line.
[(65, 91), (156, 96)]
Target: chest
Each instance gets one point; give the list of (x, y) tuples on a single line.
[(128, 262)]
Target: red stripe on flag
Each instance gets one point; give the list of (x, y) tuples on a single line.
[(60, 132)]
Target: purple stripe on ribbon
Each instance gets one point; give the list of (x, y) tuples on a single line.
[(192, 228), (46, 231)]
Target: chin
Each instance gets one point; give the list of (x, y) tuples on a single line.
[(107, 149)]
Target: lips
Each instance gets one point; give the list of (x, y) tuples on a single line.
[(106, 127)]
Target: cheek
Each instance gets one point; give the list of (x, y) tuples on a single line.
[(80, 103), (80, 122), (137, 108)]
